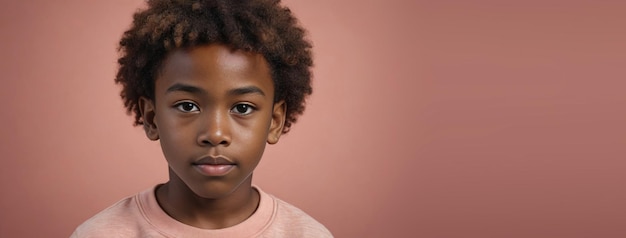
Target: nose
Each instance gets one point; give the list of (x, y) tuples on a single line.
[(215, 129)]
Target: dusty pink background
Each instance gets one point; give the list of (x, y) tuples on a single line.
[(429, 119)]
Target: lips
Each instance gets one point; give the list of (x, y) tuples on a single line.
[(214, 166)]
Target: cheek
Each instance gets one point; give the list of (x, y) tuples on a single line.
[(255, 130), (173, 136), (251, 134)]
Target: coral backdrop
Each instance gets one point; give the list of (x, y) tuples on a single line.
[(476, 118)]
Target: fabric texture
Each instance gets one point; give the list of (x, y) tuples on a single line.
[(141, 216)]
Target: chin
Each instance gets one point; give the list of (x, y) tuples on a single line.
[(214, 190)]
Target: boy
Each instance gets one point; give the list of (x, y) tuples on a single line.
[(213, 81)]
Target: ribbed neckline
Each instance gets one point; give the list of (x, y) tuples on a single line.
[(170, 227)]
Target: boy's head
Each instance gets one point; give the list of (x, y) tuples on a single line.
[(259, 26), (214, 81)]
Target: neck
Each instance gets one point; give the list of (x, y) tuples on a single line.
[(182, 204)]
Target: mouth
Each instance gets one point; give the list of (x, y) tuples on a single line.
[(214, 166)]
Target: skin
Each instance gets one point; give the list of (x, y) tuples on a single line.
[(212, 101)]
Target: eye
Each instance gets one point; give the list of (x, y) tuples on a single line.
[(242, 109), (187, 107)]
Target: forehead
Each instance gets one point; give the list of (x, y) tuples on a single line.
[(212, 64), (215, 55)]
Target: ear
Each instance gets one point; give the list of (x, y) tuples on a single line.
[(278, 122), (146, 107)]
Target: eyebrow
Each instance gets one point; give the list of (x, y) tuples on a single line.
[(246, 90), (197, 90), (185, 88)]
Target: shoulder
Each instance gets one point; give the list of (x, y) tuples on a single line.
[(296, 222), (122, 219)]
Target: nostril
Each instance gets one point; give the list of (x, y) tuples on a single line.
[(208, 142)]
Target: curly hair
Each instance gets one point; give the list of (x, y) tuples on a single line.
[(260, 26)]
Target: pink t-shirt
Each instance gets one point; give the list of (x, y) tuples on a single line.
[(141, 216)]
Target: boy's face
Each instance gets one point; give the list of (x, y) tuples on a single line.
[(213, 113)]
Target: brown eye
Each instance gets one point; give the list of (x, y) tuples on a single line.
[(242, 109), (187, 107)]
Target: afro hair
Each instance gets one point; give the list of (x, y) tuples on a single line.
[(259, 26)]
